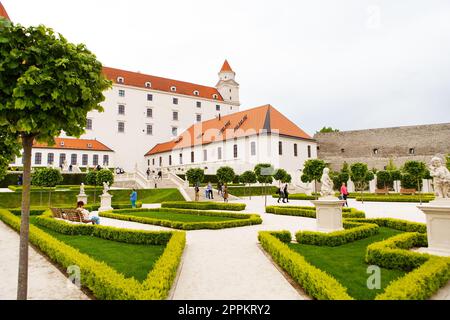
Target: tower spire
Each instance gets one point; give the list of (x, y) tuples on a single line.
[(3, 12), (226, 67)]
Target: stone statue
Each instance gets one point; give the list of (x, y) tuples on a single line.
[(82, 189), (327, 184), (441, 178), (105, 187), (65, 166)]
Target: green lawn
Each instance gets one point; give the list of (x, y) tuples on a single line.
[(68, 198), (347, 264), (178, 217), (132, 260)]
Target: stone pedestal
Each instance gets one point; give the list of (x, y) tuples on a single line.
[(397, 186), (350, 186), (373, 185), (82, 197), (438, 226), (329, 214), (105, 203), (427, 186)]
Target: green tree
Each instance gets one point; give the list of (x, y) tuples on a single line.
[(328, 130), (247, 178), (384, 179), (105, 175), (448, 161), (287, 178), (360, 175), (46, 177), (391, 166), (313, 171), (225, 175), (195, 176), (415, 171), (91, 180), (280, 175), (9, 149), (47, 86)]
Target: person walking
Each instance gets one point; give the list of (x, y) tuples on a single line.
[(219, 189), (133, 198), (225, 193), (344, 193), (280, 194), (148, 173), (197, 193), (286, 194), (210, 191)]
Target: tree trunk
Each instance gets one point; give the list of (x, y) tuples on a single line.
[(22, 286)]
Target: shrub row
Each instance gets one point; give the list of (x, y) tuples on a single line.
[(395, 199), (353, 231), (205, 205), (297, 196), (252, 191), (239, 220), (397, 224), (104, 232), (310, 212), (354, 195), (314, 281), (419, 284), (104, 282), (36, 211)]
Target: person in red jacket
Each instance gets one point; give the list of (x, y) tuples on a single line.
[(344, 193)]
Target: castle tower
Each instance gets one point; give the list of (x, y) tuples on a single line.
[(3, 12), (227, 86)]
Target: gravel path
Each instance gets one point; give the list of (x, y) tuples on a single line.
[(45, 281)]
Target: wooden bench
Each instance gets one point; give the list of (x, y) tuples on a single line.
[(408, 191), (72, 215), (57, 213), (382, 191)]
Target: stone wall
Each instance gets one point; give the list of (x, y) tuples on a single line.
[(377, 146)]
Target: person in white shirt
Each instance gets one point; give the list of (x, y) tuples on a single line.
[(86, 214)]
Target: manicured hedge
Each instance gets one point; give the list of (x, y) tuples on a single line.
[(354, 231), (205, 205), (314, 281), (395, 199), (310, 212), (252, 191), (354, 195), (396, 224), (297, 196), (104, 282), (210, 178), (239, 219)]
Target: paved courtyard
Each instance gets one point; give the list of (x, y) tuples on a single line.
[(217, 264)]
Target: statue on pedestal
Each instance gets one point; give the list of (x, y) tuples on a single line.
[(441, 178), (105, 188), (327, 184)]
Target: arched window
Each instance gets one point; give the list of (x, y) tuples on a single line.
[(120, 80), (148, 85), (196, 93), (173, 89)]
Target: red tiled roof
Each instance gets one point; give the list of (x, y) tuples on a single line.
[(226, 67), (136, 79), (236, 125), (3, 12), (74, 144)]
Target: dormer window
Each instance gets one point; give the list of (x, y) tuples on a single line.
[(89, 145), (173, 89), (148, 85), (196, 93), (215, 96), (62, 144), (120, 80)]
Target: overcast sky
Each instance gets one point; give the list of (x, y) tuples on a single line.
[(349, 64)]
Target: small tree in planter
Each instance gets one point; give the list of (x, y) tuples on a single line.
[(195, 176), (417, 171), (279, 175), (384, 179), (105, 175), (248, 177), (91, 180), (361, 176), (48, 178), (264, 174), (313, 172)]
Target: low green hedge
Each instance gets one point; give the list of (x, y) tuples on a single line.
[(354, 195), (314, 281), (310, 212), (252, 191), (297, 196), (240, 219), (104, 282), (205, 205), (397, 224), (395, 199), (353, 231)]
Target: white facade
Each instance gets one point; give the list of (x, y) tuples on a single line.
[(251, 150), (51, 157), (147, 122)]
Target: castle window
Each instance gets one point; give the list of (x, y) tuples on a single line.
[(175, 101), (253, 148), (120, 80), (235, 149), (196, 93), (280, 148), (412, 151), (376, 151), (199, 118), (121, 127), (174, 131), (149, 97), (175, 116), (215, 96), (149, 130), (84, 159), (199, 104), (121, 109), (173, 89), (50, 158), (148, 85), (89, 124), (38, 158), (309, 152), (121, 93), (342, 150), (217, 107)]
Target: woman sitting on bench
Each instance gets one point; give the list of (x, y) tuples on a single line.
[(86, 214)]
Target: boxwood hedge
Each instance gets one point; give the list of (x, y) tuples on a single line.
[(104, 282), (204, 205), (310, 212)]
